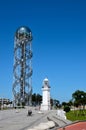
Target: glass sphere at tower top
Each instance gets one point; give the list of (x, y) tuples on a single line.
[(24, 33)]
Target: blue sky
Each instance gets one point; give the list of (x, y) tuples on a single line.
[(59, 44)]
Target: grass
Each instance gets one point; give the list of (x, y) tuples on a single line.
[(76, 115)]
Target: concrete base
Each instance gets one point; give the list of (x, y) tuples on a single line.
[(45, 107)]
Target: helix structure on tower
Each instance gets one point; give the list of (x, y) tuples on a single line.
[(22, 69)]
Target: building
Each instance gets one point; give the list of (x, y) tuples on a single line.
[(4, 101)]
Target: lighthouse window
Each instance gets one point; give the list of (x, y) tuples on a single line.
[(46, 83)]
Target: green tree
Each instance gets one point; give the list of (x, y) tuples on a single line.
[(0, 105), (64, 103), (70, 103), (56, 103), (79, 98), (36, 99), (51, 102)]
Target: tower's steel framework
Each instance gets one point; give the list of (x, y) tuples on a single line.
[(22, 70)]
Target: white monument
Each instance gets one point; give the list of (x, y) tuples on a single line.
[(61, 114), (45, 95)]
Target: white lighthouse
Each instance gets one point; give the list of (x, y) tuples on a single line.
[(45, 95)]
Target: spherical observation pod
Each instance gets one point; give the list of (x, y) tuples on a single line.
[(23, 33)]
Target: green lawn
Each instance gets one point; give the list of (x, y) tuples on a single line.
[(75, 115)]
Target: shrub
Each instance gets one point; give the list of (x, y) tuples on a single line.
[(66, 108)]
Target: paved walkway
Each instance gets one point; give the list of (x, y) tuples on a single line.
[(75, 126), (18, 119)]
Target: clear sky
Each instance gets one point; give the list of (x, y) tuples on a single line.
[(59, 44)]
